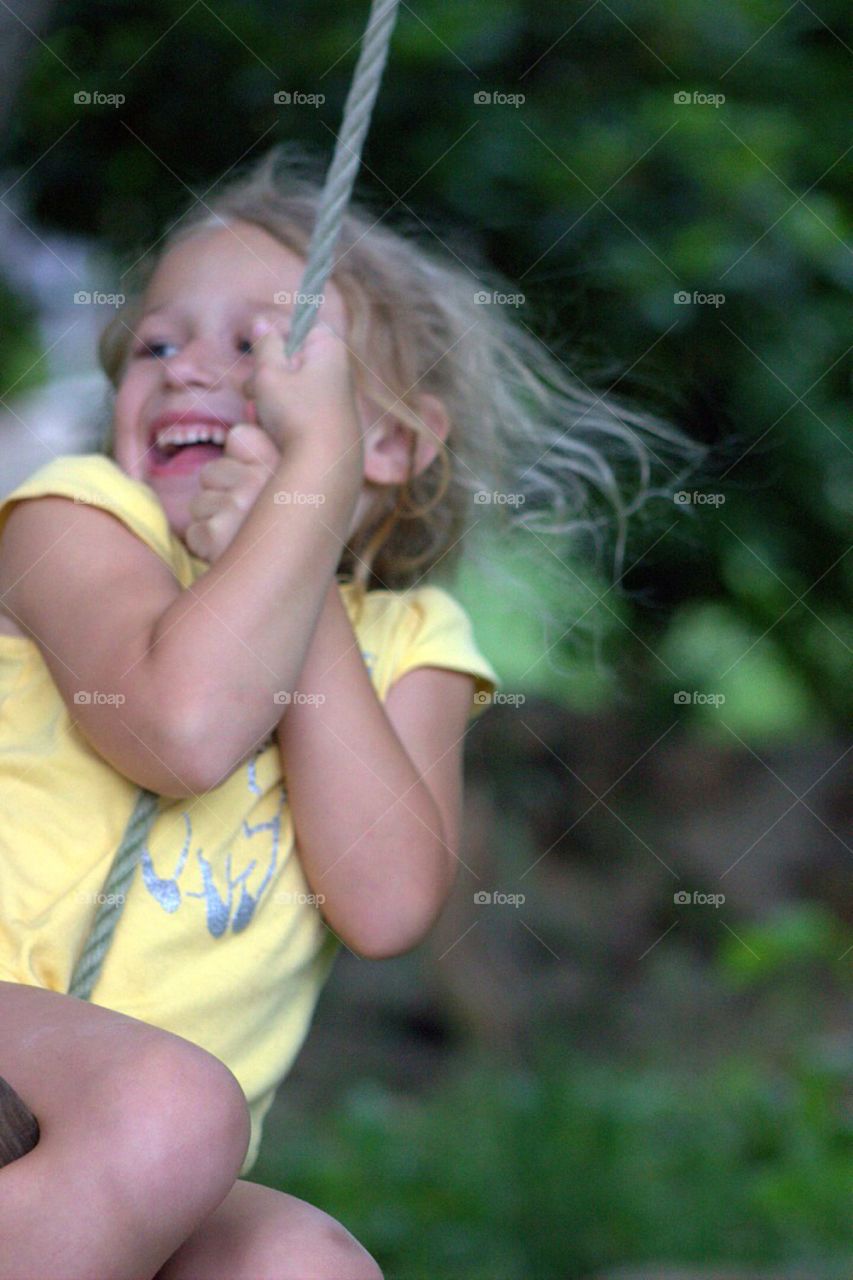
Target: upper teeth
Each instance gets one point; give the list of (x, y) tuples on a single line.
[(189, 433)]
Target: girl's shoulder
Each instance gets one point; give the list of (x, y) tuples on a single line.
[(421, 599), (95, 480), (405, 610), (420, 626)]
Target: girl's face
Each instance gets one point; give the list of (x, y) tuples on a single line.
[(191, 352)]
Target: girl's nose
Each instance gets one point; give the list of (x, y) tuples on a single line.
[(196, 364)]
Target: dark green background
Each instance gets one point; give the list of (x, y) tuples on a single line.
[(600, 197)]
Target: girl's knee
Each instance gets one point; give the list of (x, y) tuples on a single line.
[(178, 1122), (142, 1137), (263, 1234), (114, 1083), (329, 1252), (347, 1264)]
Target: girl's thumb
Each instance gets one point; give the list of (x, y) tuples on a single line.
[(248, 443)]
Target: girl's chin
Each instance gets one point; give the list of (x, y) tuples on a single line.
[(175, 500), (176, 481)]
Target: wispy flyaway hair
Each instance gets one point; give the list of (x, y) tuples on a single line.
[(530, 446)]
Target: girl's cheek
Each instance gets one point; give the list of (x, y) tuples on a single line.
[(129, 393), (125, 417)]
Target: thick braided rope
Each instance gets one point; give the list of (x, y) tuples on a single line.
[(344, 167), (114, 895), (336, 193)]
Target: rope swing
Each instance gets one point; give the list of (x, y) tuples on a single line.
[(346, 159), (114, 895), (331, 209)]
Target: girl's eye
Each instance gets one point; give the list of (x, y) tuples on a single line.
[(157, 349), (153, 349)]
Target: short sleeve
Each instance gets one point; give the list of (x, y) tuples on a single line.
[(437, 632), (93, 479)]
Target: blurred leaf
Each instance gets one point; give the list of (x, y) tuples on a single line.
[(794, 937)]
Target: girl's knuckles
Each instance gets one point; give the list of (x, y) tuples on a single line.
[(241, 500)]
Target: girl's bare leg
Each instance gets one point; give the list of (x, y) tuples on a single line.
[(261, 1234), (142, 1137)]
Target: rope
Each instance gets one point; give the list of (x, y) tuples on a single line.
[(340, 178), (88, 967), (344, 166)]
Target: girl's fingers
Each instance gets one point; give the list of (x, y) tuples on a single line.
[(222, 473), (268, 339), (197, 539), (207, 538), (269, 354), (270, 347), (250, 444), (205, 503)]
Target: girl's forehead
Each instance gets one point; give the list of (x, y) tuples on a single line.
[(242, 258), (182, 308), (242, 264)]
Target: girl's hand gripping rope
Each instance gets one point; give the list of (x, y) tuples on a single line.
[(295, 400), (307, 396), (229, 488)]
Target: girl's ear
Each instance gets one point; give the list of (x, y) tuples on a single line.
[(388, 444)]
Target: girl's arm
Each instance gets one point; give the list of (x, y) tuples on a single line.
[(242, 631), (375, 792), (238, 637), (182, 685)]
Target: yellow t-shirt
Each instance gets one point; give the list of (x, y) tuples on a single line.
[(219, 941)]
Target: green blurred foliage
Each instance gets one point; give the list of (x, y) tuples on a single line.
[(572, 1166), (801, 943), (602, 197), (19, 366)]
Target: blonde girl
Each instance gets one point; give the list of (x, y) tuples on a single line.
[(229, 607)]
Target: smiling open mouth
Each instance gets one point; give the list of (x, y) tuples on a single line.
[(181, 448), (182, 459)]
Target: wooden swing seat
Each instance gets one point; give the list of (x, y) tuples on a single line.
[(19, 1129)]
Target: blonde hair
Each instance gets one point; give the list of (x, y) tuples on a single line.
[(527, 439)]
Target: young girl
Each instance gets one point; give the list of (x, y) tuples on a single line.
[(229, 609)]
